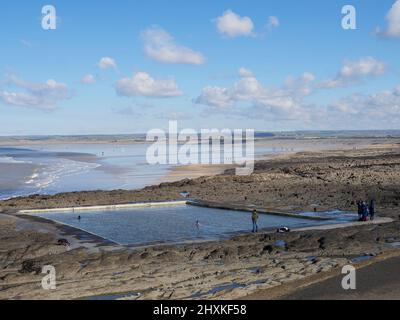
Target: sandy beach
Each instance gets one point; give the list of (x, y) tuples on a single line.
[(247, 265)]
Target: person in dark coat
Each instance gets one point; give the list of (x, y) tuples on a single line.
[(360, 210), (365, 211), (372, 209)]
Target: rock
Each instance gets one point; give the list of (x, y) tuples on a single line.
[(63, 242), (268, 248), (30, 266)]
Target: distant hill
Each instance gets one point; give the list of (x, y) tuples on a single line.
[(140, 137)]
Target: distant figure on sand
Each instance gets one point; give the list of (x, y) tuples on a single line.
[(198, 224), (372, 209), (254, 218), (79, 218)]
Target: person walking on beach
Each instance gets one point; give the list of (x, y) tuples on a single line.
[(372, 209), (254, 218)]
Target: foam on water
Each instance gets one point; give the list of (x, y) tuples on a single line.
[(7, 159), (57, 170), (62, 168)]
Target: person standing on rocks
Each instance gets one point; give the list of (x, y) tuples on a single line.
[(365, 211), (360, 210), (254, 218), (372, 209)]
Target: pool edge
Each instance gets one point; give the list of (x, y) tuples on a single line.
[(105, 207)]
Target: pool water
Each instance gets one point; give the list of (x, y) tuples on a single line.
[(338, 215), (138, 226)]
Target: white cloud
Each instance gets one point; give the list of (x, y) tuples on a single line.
[(107, 62), (393, 22), (353, 71), (142, 84), (161, 46), (88, 79), (245, 73), (273, 22), (283, 101), (215, 96), (383, 106), (249, 98), (233, 25), (35, 95), (363, 67)]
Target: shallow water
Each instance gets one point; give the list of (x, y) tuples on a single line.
[(217, 289), (51, 169), (117, 296), (170, 224), (361, 258), (338, 215)]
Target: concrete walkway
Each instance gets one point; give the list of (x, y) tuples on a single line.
[(380, 280)]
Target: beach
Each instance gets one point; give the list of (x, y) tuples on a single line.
[(245, 265), (71, 164)]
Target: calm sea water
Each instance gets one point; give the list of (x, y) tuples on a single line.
[(51, 169), (65, 168), (170, 224)]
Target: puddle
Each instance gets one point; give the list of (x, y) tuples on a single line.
[(218, 289), (361, 258), (280, 243), (118, 296), (395, 244), (259, 282), (224, 287), (255, 270), (311, 258)]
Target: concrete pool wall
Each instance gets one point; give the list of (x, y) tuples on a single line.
[(171, 221), (205, 204), (106, 207)]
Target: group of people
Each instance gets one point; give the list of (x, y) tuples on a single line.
[(366, 210)]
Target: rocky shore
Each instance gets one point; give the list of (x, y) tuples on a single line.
[(234, 268)]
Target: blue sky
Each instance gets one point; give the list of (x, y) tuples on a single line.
[(130, 66)]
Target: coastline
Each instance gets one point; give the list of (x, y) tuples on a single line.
[(113, 173), (249, 263), (283, 149)]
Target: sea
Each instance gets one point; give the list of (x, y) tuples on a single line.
[(50, 169)]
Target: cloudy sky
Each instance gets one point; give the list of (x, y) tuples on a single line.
[(130, 66)]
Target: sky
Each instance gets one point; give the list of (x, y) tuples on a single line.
[(120, 67)]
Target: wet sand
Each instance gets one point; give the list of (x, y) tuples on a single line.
[(13, 175), (278, 148), (239, 267)]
